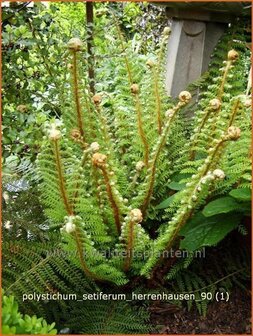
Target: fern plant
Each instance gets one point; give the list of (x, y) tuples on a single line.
[(107, 168), (99, 179)]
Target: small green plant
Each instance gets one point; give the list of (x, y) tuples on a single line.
[(13, 322)]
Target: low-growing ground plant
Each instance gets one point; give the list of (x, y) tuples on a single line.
[(13, 322)]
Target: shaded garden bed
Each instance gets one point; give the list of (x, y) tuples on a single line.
[(232, 317)]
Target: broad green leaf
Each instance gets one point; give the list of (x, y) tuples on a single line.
[(176, 185), (164, 204), (177, 181), (207, 231), (221, 205), (241, 194)]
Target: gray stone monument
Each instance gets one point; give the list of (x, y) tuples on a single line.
[(196, 29)]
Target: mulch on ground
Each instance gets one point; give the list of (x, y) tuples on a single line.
[(232, 317)]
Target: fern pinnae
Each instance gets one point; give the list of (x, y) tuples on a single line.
[(105, 134), (234, 111), (194, 194), (165, 35), (31, 271), (135, 92), (80, 251), (70, 227), (84, 159), (151, 64), (62, 187), (122, 44), (197, 132), (150, 178), (116, 200)]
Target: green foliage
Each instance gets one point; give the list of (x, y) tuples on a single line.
[(241, 194), (112, 317), (87, 167), (13, 322), (201, 231), (212, 277), (165, 204), (125, 172), (34, 77), (45, 268), (18, 222), (224, 205)]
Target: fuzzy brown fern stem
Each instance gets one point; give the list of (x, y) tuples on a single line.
[(139, 168), (214, 106), (224, 78), (83, 161), (135, 92), (75, 46), (100, 161), (95, 176), (235, 108), (135, 217), (116, 211), (102, 120), (223, 82), (76, 93), (170, 114), (54, 136), (165, 36), (129, 249), (60, 174), (232, 56), (80, 251)]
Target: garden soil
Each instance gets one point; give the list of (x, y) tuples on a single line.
[(232, 317)]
